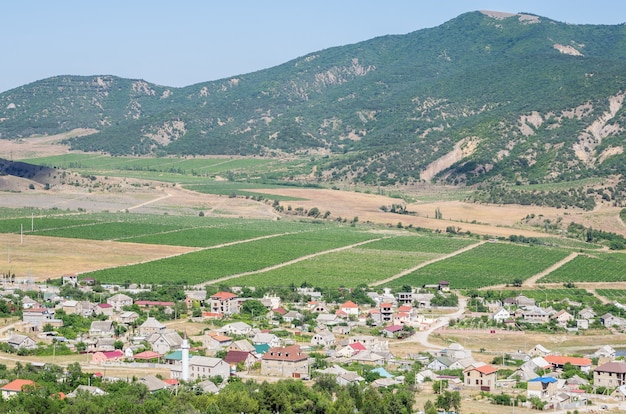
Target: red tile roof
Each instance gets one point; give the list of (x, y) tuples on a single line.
[(147, 355), (288, 354), (223, 296), (357, 346), (235, 357), (17, 385), (486, 369), (350, 304), (562, 360)]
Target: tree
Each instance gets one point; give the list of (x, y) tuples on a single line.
[(252, 308), (118, 344), (449, 400)]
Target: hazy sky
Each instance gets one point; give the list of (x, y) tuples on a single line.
[(182, 42)]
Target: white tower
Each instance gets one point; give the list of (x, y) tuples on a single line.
[(185, 351)]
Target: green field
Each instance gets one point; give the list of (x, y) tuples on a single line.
[(211, 264), (594, 267), (489, 264), (365, 264)]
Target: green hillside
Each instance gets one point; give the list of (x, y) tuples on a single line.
[(516, 100)]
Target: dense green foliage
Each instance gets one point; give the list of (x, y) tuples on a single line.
[(285, 396)]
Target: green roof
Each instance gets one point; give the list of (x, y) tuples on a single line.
[(261, 348)]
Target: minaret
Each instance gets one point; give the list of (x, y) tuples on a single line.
[(185, 350)]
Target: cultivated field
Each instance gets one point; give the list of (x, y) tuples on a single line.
[(138, 219)]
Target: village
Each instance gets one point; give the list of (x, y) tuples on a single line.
[(208, 338)]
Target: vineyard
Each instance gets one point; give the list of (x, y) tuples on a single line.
[(596, 267), (255, 252), (489, 264)]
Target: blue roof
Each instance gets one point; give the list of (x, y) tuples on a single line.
[(545, 380)]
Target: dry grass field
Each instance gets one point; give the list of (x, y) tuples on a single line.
[(41, 258)]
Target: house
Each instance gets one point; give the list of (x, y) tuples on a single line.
[(367, 357), (204, 367), (236, 328), (225, 303), (271, 301), (208, 387), (88, 309), (587, 313), (392, 330), (610, 375), (127, 317), (86, 389), (22, 342), (483, 376), (327, 319), (72, 307), (101, 328), (37, 317), (266, 338), (608, 320), (534, 314), (15, 387), (444, 286), (386, 312), (422, 300), (119, 300), (501, 315), (165, 341), (317, 307), (105, 343), (323, 338), (539, 350), (557, 362), (103, 309), (401, 318), (349, 378), (562, 317), (287, 362), (606, 351), (154, 384), (443, 363), (350, 308), (28, 303), (542, 387), (456, 351), (101, 357), (150, 326), (233, 358), (523, 300), (195, 298), (213, 341), (69, 279), (241, 345), (350, 350), (292, 316), (404, 298), (371, 342)]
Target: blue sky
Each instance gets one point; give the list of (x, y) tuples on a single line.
[(179, 43)]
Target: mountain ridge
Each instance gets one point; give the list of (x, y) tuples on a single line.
[(484, 98)]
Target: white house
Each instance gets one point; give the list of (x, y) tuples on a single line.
[(501, 315), (236, 328), (323, 338)]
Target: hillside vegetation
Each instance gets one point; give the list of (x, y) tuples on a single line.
[(485, 99)]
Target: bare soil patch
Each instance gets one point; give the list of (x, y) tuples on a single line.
[(41, 146), (367, 208)]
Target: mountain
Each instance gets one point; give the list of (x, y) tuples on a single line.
[(484, 98)]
